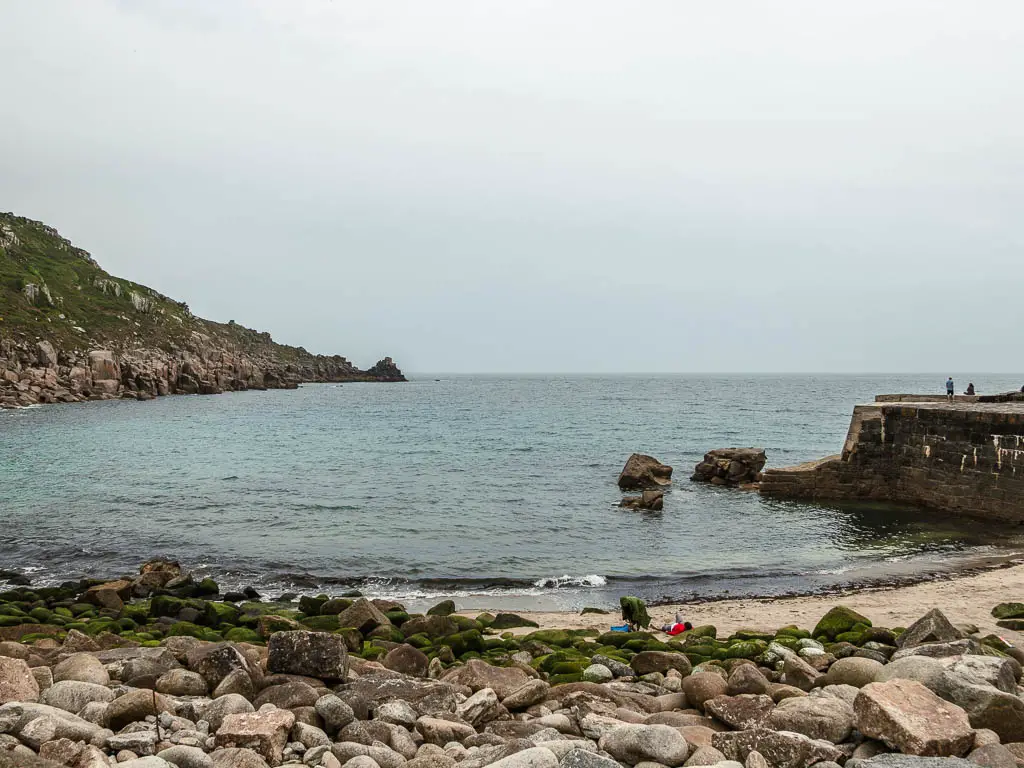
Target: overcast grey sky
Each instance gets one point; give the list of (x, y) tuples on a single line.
[(478, 185)]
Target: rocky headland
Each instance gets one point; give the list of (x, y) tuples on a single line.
[(160, 670), (69, 332)]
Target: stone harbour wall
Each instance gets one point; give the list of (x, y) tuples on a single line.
[(963, 458)]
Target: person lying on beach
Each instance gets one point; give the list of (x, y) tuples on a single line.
[(678, 627)]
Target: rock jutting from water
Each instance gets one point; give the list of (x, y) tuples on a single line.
[(152, 672), (731, 466), (653, 500), (644, 472)]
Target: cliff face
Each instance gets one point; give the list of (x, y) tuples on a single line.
[(69, 331)]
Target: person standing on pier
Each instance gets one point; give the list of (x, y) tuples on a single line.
[(950, 388)]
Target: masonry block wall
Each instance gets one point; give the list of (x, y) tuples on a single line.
[(961, 458)]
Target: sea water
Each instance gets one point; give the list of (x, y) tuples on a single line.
[(499, 491)]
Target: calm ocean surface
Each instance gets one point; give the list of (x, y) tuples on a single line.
[(497, 490)]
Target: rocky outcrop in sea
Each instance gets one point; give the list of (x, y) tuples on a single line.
[(35, 373), (160, 671)]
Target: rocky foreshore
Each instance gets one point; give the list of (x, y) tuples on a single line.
[(36, 373), (160, 670)]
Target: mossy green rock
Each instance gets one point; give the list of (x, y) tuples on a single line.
[(994, 641), (13, 610), (792, 631), (311, 605), (41, 615), (222, 613), (880, 635), (333, 607), (33, 636), (463, 642), (322, 623), (838, 620), (389, 633), (166, 605), (485, 619), (788, 641), (353, 638), (550, 662), (419, 641), (398, 618), (645, 645), (704, 630), (444, 608), (1017, 625), (207, 587), (619, 639), (12, 621), (267, 625), (1008, 611), (588, 610), (752, 634), (853, 637), (188, 629), (242, 635), (746, 649), (509, 620), (560, 679), (465, 623), (137, 612), (557, 638), (96, 626)]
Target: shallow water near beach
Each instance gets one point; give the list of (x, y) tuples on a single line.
[(497, 490)]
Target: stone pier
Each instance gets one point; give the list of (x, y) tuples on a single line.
[(963, 458)]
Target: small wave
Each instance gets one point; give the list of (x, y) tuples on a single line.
[(832, 571), (560, 582), (326, 507)]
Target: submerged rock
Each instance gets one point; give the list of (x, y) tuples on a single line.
[(653, 500)]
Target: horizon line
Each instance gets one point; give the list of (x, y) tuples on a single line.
[(709, 373)]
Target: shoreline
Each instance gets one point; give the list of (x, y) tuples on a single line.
[(129, 396), (554, 601), (965, 599)]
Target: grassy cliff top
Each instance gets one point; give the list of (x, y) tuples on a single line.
[(50, 289)]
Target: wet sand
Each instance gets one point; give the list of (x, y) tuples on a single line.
[(966, 599)]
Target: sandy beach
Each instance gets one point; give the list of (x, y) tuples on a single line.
[(967, 599)]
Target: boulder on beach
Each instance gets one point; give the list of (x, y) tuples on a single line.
[(731, 466), (465, 692), (642, 471)]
